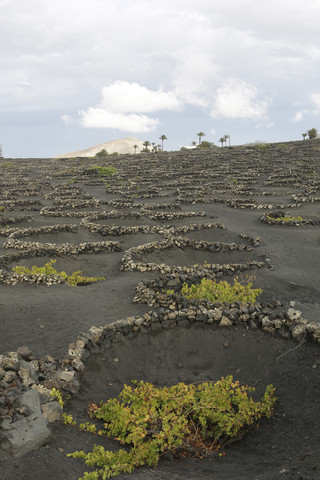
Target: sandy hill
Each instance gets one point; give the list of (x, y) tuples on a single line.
[(121, 146)]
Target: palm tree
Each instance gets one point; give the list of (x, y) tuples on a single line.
[(222, 140), (146, 144), (135, 148), (200, 134), (162, 138), (304, 135), (194, 143), (227, 136)]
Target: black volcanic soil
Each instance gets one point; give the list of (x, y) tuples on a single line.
[(47, 319)]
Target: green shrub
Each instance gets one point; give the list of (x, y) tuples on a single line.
[(104, 171), (313, 132), (76, 278), (285, 218), (102, 153), (206, 145), (262, 146), (221, 291), (183, 419), (6, 165)]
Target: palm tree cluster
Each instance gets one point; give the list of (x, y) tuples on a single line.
[(224, 140), (155, 148)]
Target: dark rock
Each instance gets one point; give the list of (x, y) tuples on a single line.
[(25, 353)]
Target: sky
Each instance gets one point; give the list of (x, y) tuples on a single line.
[(76, 73)]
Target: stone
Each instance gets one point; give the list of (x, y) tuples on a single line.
[(299, 333), (93, 347), (6, 422), (284, 332), (293, 314), (11, 361), (252, 324), (9, 376), (66, 376), (52, 411), (201, 317), (31, 399), (96, 333), (24, 410), (277, 323), (25, 435), (121, 323), (139, 321), (225, 322), (217, 315), (28, 370), (156, 326), (266, 323), (78, 365), (25, 353)]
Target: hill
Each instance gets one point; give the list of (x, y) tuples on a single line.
[(121, 146)]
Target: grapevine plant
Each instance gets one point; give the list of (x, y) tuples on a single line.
[(76, 278), (104, 171), (285, 219), (195, 420), (221, 291)]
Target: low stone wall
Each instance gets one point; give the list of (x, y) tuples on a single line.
[(278, 218), (129, 259), (37, 249), (14, 204), (62, 248), (12, 220), (147, 206), (237, 203), (115, 230), (16, 232), (58, 212), (26, 407)]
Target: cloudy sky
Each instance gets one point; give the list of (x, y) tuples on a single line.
[(76, 73)]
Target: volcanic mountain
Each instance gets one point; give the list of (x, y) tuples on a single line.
[(121, 146)]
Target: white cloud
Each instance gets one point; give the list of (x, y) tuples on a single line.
[(298, 116), (67, 119), (237, 99), (123, 106), (194, 77), (97, 117), (123, 97)]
